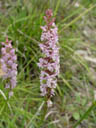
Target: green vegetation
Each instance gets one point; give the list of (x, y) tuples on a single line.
[(74, 102)]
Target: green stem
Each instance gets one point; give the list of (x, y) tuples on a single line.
[(85, 114)]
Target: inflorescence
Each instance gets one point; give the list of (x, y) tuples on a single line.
[(9, 65), (49, 64)]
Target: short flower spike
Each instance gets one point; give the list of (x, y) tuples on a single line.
[(9, 65)]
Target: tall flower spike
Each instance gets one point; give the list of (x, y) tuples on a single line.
[(49, 64), (8, 65)]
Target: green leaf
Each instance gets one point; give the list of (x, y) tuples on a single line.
[(76, 115)]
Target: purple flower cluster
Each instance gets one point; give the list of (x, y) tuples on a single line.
[(8, 65), (49, 64)]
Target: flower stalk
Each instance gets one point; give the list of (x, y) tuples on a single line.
[(9, 65), (49, 64)]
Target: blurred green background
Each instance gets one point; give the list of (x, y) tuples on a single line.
[(74, 102)]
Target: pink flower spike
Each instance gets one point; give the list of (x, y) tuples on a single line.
[(43, 28), (49, 13), (7, 41), (8, 65), (49, 64)]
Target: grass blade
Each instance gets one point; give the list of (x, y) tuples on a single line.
[(77, 18), (85, 114)]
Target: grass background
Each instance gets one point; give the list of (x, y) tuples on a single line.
[(74, 102)]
